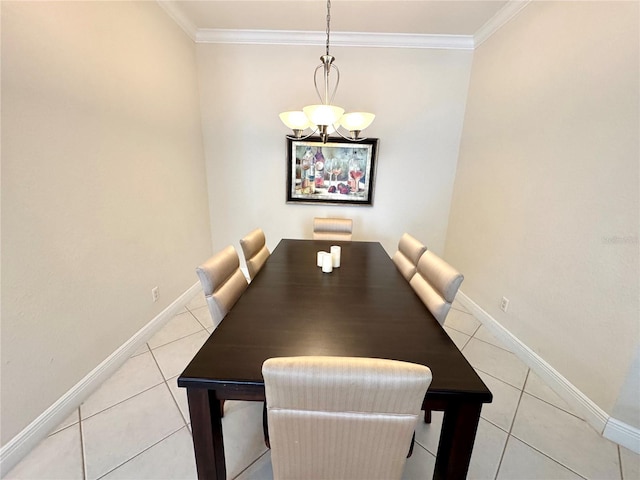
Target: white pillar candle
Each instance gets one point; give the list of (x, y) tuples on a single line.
[(319, 258), (336, 251), (327, 263)]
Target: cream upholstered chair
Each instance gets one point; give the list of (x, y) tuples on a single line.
[(332, 229), (222, 282), (342, 417), (255, 251), (407, 256), (436, 283)]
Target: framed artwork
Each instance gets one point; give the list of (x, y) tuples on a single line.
[(338, 172)]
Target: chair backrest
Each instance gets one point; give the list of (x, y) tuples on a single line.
[(406, 258), (222, 282), (332, 229), (436, 283), (342, 417), (255, 251)]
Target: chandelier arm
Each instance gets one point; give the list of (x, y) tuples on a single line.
[(315, 83), (326, 100), (351, 139), (305, 137), (335, 89)]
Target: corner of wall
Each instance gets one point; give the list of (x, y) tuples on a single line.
[(613, 429), (20, 445)]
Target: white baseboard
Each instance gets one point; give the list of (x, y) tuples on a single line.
[(14, 450), (623, 434), (581, 405)]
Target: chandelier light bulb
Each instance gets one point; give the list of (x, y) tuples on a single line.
[(323, 114), (295, 120), (356, 121)]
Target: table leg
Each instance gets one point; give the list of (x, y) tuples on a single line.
[(206, 428), (456, 441)]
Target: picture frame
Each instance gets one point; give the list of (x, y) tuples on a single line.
[(347, 171)]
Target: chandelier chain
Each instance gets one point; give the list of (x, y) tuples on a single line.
[(328, 22)]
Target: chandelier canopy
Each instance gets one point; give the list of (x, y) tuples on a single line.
[(326, 118)]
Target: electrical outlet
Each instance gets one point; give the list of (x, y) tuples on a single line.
[(155, 294), (504, 305)]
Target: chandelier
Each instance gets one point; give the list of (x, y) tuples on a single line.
[(326, 118)]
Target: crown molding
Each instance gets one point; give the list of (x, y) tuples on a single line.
[(345, 39), (180, 18), (504, 15)]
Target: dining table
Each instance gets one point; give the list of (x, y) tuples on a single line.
[(364, 308)]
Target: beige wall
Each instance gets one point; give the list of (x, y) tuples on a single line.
[(626, 408), (103, 188), (418, 96), (546, 203)]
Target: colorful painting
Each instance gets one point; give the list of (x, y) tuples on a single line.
[(336, 172)]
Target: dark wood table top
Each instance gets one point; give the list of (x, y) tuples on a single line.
[(365, 308)]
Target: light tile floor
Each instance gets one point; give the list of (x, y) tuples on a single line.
[(136, 425)]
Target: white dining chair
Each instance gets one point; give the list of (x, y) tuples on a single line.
[(342, 417), (436, 283), (222, 282), (406, 258), (255, 251), (332, 229)]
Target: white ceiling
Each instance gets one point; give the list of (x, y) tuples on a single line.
[(424, 17)]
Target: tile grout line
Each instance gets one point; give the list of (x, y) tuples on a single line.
[(522, 394), (169, 388), (513, 420), (489, 343), (477, 328), (197, 319), (176, 404), (60, 430), (140, 453), (83, 454), (620, 462), (465, 344), (501, 380), (126, 399), (141, 353), (164, 381), (549, 457), (461, 331), (504, 449), (417, 442), (178, 339), (555, 406), (250, 465), (196, 308)]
